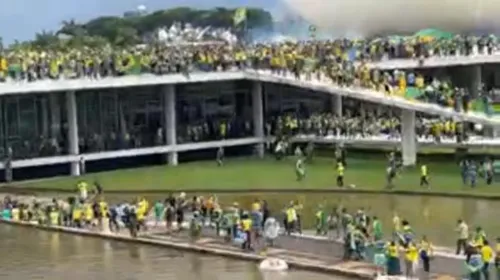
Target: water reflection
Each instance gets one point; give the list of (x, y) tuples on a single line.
[(432, 216), (47, 255)]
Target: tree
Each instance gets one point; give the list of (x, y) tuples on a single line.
[(45, 39), (71, 28), (116, 28), (130, 29)]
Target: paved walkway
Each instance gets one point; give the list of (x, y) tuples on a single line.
[(310, 248), (315, 252), (438, 250)]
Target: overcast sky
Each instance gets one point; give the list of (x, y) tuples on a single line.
[(21, 19)]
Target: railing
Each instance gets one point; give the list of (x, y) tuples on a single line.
[(374, 141)]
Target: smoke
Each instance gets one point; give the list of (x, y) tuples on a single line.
[(353, 18)]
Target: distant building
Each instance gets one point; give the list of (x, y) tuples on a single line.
[(140, 11)]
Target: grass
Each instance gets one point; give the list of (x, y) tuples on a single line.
[(268, 174), (429, 215)]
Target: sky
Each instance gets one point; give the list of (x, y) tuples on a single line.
[(361, 18), (21, 19)]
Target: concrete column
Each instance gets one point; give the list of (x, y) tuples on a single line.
[(336, 103), (408, 141), (362, 110), (170, 122), (258, 116), (475, 80), (45, 118), (495, 131), (73, 148), (55, 115)]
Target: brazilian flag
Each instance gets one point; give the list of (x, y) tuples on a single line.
[(133, 66), (240, 16)]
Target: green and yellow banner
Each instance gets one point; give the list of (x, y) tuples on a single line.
[(240, 16)]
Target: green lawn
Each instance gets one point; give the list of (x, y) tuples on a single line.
[(253, 174)]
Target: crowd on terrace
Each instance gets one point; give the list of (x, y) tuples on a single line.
[(186, 48), (342, 62), (366, 125), (352, 125)]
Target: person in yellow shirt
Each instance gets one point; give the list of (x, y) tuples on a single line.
[(396, 223), (256, 206), (54, 216), (141, 213), (479, 237), (4, 68), (15, 213), (411, 259), (88, 213), (290, 219), (103, 210), (77, 216), (424, 176), (340, 175), (393, 264), (487, 256), (246, 227), (83, 189), (426, 252)]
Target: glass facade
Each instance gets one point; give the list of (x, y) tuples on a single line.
[(36, 125), (33, 125), (212, 111), (282, 99), (120, 119)]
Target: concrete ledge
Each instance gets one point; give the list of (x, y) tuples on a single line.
[(185, 246), (359, 190)]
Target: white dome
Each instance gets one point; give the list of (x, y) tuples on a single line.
[(371, 17)]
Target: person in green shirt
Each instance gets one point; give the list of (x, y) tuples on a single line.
[(474, 265), (226, 225), (159, 209), (300, 169), (321, 222), (379, 256), (377, 229)]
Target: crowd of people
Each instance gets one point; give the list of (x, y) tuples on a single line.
[(90, 210), (343, 62), (352, 125), (362, 233), (370, 124)]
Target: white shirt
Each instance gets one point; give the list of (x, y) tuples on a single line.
[(463, 231)]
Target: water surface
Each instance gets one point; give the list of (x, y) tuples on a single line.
[(34, 254), (435, 217)]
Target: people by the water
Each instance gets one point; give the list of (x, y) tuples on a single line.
[(463, 236), (362, 233)]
